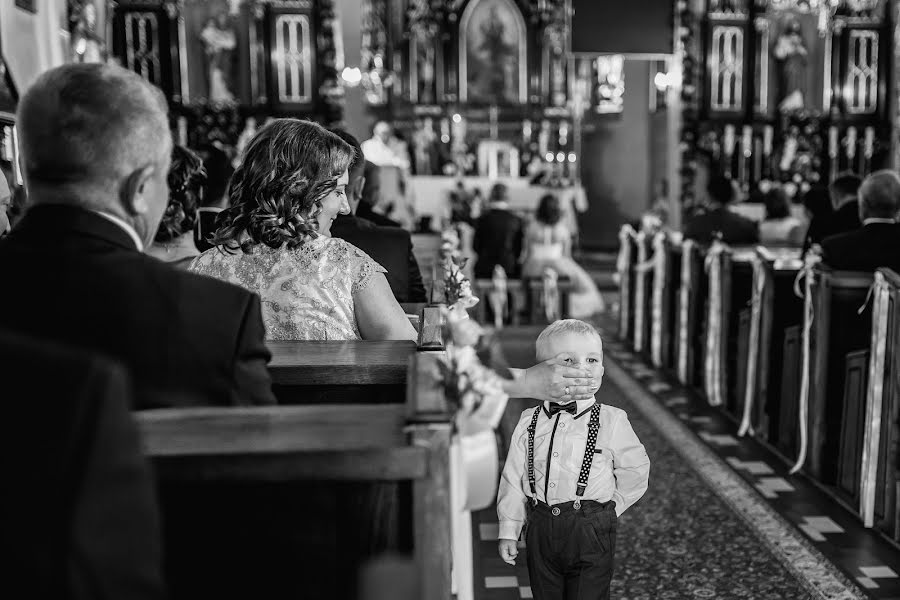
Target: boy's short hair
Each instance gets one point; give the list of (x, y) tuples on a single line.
[(566, 326)]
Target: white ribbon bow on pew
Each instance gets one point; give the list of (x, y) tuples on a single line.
[(713, 360), (807, 275)]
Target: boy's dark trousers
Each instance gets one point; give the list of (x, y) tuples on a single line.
[(570, 552)]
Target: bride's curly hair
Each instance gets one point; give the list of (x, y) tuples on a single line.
[(287, 169)]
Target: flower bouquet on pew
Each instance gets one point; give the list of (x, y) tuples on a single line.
[(476, 394)]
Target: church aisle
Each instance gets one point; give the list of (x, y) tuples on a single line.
[(702, 530)]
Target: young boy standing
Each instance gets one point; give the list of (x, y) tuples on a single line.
[(572, 470)]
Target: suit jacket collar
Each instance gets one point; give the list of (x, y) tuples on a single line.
[(55, 220)]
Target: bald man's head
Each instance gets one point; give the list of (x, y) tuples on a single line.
[(97, 135)]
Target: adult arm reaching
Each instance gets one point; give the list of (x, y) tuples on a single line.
[(550, 380)]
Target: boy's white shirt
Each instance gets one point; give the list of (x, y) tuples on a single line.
[(620, 472)]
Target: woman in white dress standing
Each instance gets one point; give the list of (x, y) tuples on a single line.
[(548, 244)]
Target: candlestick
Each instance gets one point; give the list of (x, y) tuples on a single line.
[(757, 160), (182, 131), (768, 137), (526, 131), (833, 141), (869, 142), (728, 140), (851, 143), (747, 141)]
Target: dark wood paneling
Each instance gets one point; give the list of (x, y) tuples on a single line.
[(340, 363), (852, 424), (790, 391)]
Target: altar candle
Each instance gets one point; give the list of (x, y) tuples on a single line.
[(526, 130), (747, 141), (445, 130), (728, 140), (833, 141), (182, 131), (869, 143), (851, 143), (768, 136), (514, 162)]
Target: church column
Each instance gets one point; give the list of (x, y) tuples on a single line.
[(350, 16)]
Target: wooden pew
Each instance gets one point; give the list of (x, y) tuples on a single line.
[(836, 329), (525, 297), (879, 481), (664, 300), (727, 326), (427, 250), (770, 406), (641, 302), (277, 451), (625, 267), (692, 292)]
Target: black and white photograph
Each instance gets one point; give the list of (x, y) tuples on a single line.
[(450, 299)]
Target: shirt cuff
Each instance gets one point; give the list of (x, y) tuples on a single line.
[(510, 530)]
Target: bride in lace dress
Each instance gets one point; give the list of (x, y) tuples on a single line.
[(275, 241), (548, 244)]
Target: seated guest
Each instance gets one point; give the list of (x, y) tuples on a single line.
[(877, 243), (275, 240), (717, 221), (391, 247), (779, 226), (174, 241), (79, 514), (844, 213), (95, 152), (498, 236), (214, 197), (370, 197)]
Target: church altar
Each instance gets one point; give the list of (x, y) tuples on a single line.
[(430, 196)]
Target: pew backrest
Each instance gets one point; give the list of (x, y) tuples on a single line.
[(881, 437)]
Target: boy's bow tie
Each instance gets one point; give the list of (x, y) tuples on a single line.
[(555, 408)]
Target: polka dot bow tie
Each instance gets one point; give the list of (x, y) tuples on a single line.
[(555, 408)]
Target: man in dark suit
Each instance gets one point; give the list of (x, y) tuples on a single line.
[(391, 247), (95, 149), (370, 197), (844, 194), (718, 221), (498, 237), (877, 243), (78, 512)]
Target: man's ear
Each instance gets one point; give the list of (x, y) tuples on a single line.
[(358, 188), (134, 191)]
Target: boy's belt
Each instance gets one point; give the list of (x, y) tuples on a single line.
[(586, 507)]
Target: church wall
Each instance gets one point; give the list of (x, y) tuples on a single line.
[(616, 167)]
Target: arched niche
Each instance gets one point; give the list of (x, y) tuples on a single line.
[(493, 53)]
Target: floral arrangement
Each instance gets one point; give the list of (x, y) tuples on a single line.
[(472, 388)]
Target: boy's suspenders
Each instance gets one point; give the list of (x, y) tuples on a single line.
[(590, 446)]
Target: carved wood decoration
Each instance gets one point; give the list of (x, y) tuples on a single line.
[(233, 57), (794, 91)]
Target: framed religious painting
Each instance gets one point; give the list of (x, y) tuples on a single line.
[(88, 26), (493, 53), (215, 47)]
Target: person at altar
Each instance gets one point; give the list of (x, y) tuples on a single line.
[(384, 149), (390, 154)]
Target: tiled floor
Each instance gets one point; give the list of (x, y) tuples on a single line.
[(722, 518)]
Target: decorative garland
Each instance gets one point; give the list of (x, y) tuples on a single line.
[(687, 47), (331, 92)]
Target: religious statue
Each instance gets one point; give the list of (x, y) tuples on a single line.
[(792, 57), (243, 140), (425, 153), (219, 42), (425, 59), (87, 44)]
